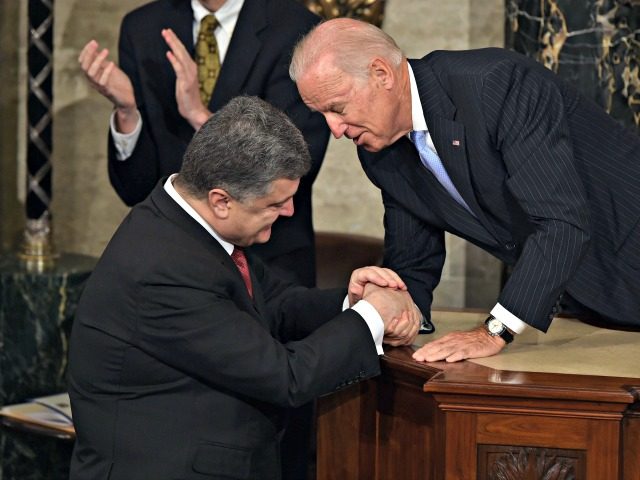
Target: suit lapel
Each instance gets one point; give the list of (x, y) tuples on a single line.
[(449, 139), (174, 213), (430, 192), (243, 49)]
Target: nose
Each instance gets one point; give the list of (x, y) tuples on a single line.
[(287, 208), (336, 125)]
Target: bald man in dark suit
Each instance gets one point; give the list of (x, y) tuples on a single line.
[(490, 146)]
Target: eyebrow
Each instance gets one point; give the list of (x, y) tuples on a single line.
[(278, 202)]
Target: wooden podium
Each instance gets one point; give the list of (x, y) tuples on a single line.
[(467, 421)]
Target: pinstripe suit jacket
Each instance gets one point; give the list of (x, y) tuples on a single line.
[(551, 179)]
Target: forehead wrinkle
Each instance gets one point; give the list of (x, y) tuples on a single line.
[(328, 88)]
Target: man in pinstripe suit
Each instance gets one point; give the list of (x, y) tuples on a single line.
[(525, 168)]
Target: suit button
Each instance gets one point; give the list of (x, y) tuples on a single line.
[(510, 245)]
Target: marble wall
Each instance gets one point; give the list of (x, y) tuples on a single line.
[(594, 44), (85, 209)]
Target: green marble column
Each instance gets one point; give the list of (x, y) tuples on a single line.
[(594, 44), (36, 314)]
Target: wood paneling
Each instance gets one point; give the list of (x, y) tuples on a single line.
[(455, 421)]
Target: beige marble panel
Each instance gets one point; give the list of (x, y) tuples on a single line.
[(11, 210), (86, 209)]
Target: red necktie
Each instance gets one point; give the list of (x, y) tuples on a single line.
[(240, 260)]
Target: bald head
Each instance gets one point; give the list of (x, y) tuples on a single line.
[(346, 44), (357, 77)]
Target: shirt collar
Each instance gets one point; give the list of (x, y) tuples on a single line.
[(226, 15), (173, 193), (417, 115)]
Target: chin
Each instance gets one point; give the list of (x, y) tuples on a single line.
[(263, 237), (372, 148)]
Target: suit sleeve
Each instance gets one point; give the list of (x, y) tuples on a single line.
[(202, 332), (134, 178), (412, 248), (415, 250), (525, 112)]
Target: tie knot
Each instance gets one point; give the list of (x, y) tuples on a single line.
[(238, 256), (418, 137), (208, 23)]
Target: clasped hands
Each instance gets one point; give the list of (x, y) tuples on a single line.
[(388, 294), (111, 82)]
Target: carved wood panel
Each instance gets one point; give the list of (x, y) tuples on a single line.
[(499, 462)]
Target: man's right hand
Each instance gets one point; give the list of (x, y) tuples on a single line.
[(399, 314), (112, 82)]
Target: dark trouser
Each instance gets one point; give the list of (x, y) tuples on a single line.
[(297, 448)]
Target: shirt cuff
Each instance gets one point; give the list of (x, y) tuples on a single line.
[(373, 320), (512, 322), (125, 142)]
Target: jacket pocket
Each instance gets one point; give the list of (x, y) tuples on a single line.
[(224, 460)]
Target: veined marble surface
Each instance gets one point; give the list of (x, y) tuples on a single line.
[(36, 313), (36, 310), (594, 44)]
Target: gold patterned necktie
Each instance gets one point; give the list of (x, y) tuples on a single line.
[(207, 58)]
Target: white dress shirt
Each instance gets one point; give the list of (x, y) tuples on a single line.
[(227, 17)]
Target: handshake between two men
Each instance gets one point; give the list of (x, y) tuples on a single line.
[(385, 291)]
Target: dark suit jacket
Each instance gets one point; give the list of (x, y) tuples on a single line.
[(256, 63), (551, 179), (175, 373)]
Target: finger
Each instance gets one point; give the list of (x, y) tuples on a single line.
[(391, 326), (394, 279), (106, 73), (177, 66), (177, 47), (98, 64), (427, 353), (457, 356), (403, 328), (88, 50), (375, 275)]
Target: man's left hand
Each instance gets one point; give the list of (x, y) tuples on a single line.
[(456, 346), (382, 277)]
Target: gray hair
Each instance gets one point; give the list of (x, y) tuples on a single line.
[(351, 44), (243, 148)]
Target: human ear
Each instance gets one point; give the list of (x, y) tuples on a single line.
[(382, 73), (218, 201)]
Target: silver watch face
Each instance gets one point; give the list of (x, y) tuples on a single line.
[(495, 326)]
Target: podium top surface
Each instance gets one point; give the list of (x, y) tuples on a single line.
[(569, 347)]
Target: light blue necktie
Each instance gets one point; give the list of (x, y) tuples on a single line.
[(433, 163)]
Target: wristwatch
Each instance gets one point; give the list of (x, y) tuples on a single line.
[(496, 328)]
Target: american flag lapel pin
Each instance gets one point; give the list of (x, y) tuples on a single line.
[(456, 143)]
